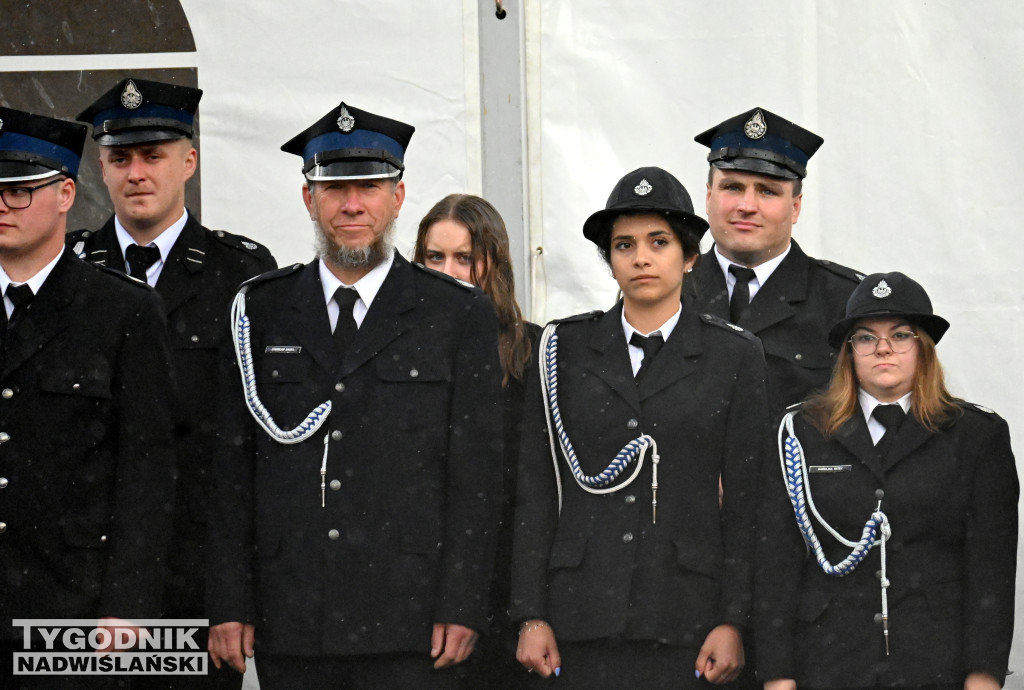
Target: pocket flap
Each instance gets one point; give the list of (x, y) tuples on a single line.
[(410, 370), (83, 536), (567, 553), (801, 354), (70, 381), (698, 560)]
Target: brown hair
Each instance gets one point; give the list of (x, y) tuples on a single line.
[(490, 249), (930, 401)]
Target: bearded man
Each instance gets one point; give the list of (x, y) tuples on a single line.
[(356, 496)]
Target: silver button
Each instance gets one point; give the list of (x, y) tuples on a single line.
[(632, 424), (798, 357), (631, 499), (414, 373), (76, 386), (340, 387), (878, 618), (627, 537), (3, 527), (220, 233), (274, 374), (335, 484), (335, 435), (7, 393), (4, 437), (333, 534), (194, 339), (103, 539), (3, 482)]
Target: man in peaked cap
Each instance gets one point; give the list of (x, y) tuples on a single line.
[(86, 461), (144, 130), (356, 497), (756, 275)]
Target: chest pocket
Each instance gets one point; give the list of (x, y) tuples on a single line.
[(93, 382), (423, 369), (282, 368), (185, 336), (803, 355)]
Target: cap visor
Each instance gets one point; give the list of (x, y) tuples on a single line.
[(352, 170), (138, 136), (757, 166), (20, 171)]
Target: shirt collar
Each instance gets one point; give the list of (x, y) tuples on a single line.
[(762, 271), (665, 329), (164, 241), (36, 281), (868, 403), (368, 286)]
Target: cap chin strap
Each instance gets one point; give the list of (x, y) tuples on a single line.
[(634, 451), (797, 480)]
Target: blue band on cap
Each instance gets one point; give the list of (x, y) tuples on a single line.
[(147, 110), (359, 139), (23, 143), (768, 142)]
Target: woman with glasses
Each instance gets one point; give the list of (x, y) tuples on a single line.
[(888, 529)]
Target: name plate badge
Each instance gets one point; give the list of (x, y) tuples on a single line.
[(283, 349), (829, 469)]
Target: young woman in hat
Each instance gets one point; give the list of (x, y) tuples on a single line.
[(629, 570), (464, 236), (888, 540)]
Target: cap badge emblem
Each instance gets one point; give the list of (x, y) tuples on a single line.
[(1, 125), (882, 290), (131, 97), (644, 188), (346, 123), (755, 127)]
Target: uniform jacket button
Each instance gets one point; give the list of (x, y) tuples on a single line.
[(340, 387), (335, 484), (631, 499), (627, 537), (3, 527), (194, 338), (414, 373), (333, 534), (335, 435), (632, 424), (7, 393), (4, 437), (3, 482)]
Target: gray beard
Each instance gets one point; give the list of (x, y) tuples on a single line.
[(368, 256)]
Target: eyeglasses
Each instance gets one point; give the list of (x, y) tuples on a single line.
[(21, 197), (867, 344)]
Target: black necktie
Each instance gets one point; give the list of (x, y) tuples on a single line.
[(20, 296), (345, 330), (740, 292), (650, 345), (140, 259), (891, 417)]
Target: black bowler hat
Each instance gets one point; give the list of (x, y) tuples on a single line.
[(351, 144), (137, 111), (761, 142), (33, 147), (646, 190), (889, 294)]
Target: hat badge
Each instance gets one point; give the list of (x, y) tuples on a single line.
[(1, 125), (346, 123), (131, 97), (644, 188), (755, 127), (882, 290)]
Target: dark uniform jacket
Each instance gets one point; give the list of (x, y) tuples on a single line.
[(791, 314), (197, 283), (601, 569), (413, 478), (86, 450), (951, 501)]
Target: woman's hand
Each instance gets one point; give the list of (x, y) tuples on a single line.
[(721, 656), (537, 650), (981, 681), (780, 684)]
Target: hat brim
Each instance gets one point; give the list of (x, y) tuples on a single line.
[(600, 223), (138, 136), (935, 326), (22, 171), (353, 170), (756, 165)]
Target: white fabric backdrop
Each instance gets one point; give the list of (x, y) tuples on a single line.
[(919, 103)]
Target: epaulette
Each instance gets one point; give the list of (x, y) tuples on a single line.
[(713, 320), (796, 406), (243, 243), (76, 241), (840, 270), (444, 276), (974, 407), (123, 276), (270, 275), (586, 316)]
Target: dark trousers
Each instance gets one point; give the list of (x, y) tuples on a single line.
[(626, 664), (9, 681), (282, 672), (226, 678)]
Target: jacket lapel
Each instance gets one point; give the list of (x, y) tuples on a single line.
[(178, 282), (855, 437), (309, 323), (676, 359), (46, 316), (707, 283), (786, 286), (611, 363), (105, 250), (909, 438), (382, 323)]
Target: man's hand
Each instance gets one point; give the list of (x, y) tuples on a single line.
[(451, 644), (231, 643), (721, 657), (537, 650)]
